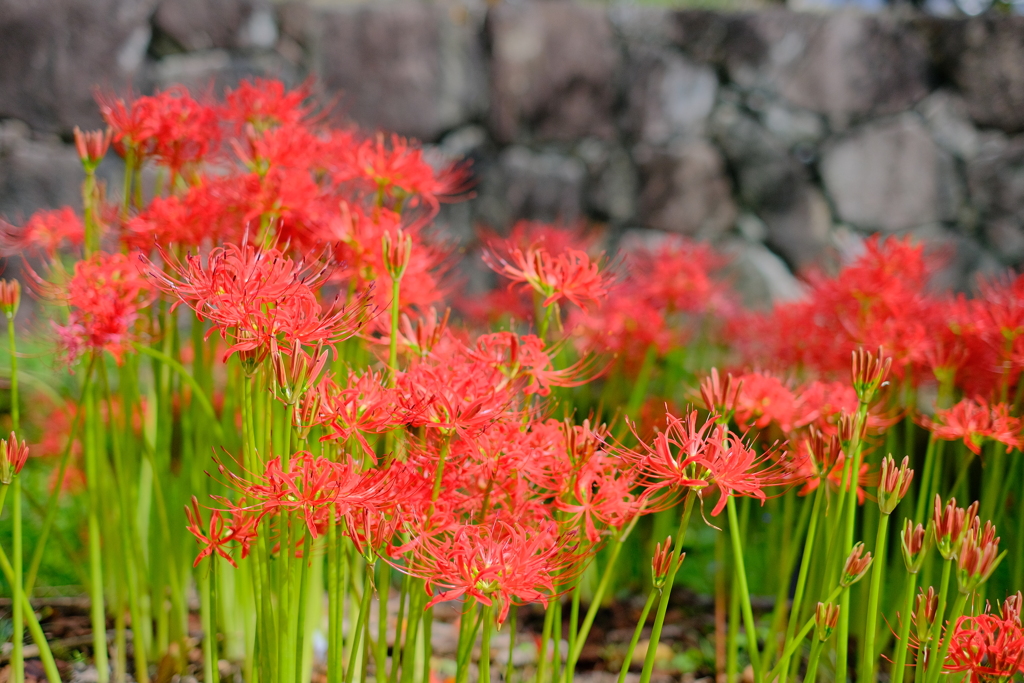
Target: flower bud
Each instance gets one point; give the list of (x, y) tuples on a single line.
[(893, 483), (397, 253), (10, 297), (12, 458), (661, 563), (720, 397), (1010, 609), (826, 616), (847, 425), (869, 372), (92, 146), (978, 556), (856, 566), (825, 451), (949, 524), (925, 607), (913, 542)]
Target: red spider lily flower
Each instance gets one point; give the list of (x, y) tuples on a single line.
[(92, 146), (661, 563), (265, 103), (674, 462), (215, 538), (46, 230), (974, 421), (868, 372), (105, 294), (950, 525), (764, 399), (399, 172), (420, 339), (198, 216), (600, 491), (500, 564), (255, 295), (297, 374), (990, 647), (826, 617), (313, 484), (570, 275), (525, 357), (13, 456), (679, 276), (856, 566), (365, 406), (912, 543), (893, 483), (170, 127), (978, 556), (735, 468)]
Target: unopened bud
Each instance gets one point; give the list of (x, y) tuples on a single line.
[(978, 556), (925, 607), (661, 563), (1010, 610), (12, 458), (950, 524), (913, 543), (10, 297), (856, 566), (848, 428), (893, 483), (824, 450), (720, 397), (397, 253), (92, 146), (869, 372), (826, 616)]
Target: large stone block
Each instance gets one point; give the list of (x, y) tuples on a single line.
[(544, 185), (890, 175), (685, 189), (845, 65), (53, 53), (668, 95), (555, 68), (204, 25), (412, 68), (35, 174), (996, 185), (984, 57)]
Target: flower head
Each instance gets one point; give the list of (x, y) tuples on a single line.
[(826, 616), (912, 542), (856, 566), (950, 525), (989, 646), (893, 483), (662, 565), (569, 275), (13, 455)]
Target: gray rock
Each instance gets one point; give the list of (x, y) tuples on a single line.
[(412, 68), (844, 64), (669, 95), (35, 174), (536, 185), (611, 192), (996, 185), (203, 25), (890, 175), (642, 24), (791, 125), (946, 116), (774, 185), (984, 57), (554, 71), (759, 276), (54, 52), (220, 69), (685, 189)]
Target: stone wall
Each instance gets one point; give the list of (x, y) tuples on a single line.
[(786, 137)]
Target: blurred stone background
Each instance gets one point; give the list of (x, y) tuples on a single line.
[(784, 137)]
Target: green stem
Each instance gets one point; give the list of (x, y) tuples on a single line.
[(899, 666), (360, 625), (958, 609), (18, 636), (545, 634), (210, 669), (49, 665), (97, 611), (485, 645), (805, 566), (792, 646), (513, 611), (637, 632), (812, 662), (393, 345), (867, 668), (843, 636), (659, 619), (940, 611), (741, 578)]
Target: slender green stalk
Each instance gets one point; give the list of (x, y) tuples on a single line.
[(637, 632), (954, 615), (210, 670), (805, 565), (741, 578), (361, 625), (485, 644), (383, 590), (545, 635), (18, 636), (659, 619), (513, 611), (794, 644), (940, 611), (812, 661), (868, 659), (97, 611), (300, 618), (49, 665), (899, 666)]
